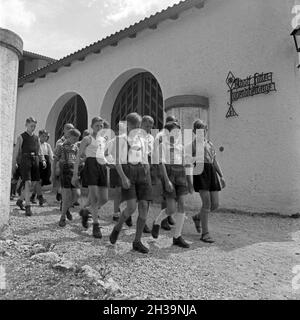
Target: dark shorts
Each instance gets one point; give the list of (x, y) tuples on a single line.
[(17, 175), (66, 177), (95, 173), (208, 180), (155, 174), (45, 174), (29, 168), (114, 179), (177, 176), (83, 177), (140, 180)]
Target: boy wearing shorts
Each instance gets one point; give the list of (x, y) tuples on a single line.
[(114, 179), (168, 221), (176, 183), (134, 171), (45, 173), (66, 154), (67, 128), (28, 154), (147, 125), (92, 150)]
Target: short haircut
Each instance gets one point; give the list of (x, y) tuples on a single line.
[(134, 119), (171, 119), (42, 132), (69, 126), (74, 133), (31, 120), (85, 133), (147, 119), (172, 125), (106, 125), (96, 119), (199, 124)]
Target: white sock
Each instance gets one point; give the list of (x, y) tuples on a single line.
[(179, 219), (161, 217)]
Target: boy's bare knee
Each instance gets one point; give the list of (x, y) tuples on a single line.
[(143, 205), (143, 215), (131, 208)]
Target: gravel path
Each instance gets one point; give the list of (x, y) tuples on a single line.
[(253, 258)]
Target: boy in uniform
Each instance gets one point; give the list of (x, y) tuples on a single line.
[(67, 128), (114, 179), (134, 171), (45, 173), (66, 154), (176, 183), (27, 155), (147, 126), (168, 221)]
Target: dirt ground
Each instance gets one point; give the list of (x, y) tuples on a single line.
[(253, 258)]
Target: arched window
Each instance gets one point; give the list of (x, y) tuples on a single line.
[(73, 112), (141, 94)]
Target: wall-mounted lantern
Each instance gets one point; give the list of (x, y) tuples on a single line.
[(296, 36)]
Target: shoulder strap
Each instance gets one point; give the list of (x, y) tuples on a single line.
[(128, 149)]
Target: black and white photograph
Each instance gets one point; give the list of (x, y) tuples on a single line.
[(149, 153)]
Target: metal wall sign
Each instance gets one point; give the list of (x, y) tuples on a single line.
[(259, 83)]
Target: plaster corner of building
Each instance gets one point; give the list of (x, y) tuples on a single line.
[(11, 41)]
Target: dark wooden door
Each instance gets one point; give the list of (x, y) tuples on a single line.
[(74, 112), (141, 94)]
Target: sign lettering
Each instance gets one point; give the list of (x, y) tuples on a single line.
[(259, 83)]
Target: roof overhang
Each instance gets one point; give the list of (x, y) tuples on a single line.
[(113, 40)]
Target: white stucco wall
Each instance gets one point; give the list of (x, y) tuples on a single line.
[(11, 47), (193, 55)]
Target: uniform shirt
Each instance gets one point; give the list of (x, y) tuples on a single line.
[(150, 143), (197, 158), (132, 150), (67, 152), (208, 153), (157, 147), (47, 150), (171, 151), (110, 150), (96, 148)]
